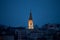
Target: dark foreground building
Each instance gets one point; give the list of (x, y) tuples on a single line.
[(47, 32)]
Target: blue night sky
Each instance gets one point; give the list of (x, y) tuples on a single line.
[(16, 12)]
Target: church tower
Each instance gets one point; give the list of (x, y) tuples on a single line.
[(30, 22)]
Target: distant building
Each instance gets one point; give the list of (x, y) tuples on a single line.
[(30, 22)]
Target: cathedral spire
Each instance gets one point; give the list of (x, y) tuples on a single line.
[(30, 21), (30, 18)]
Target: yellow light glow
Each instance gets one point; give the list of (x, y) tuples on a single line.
[(30, 24)]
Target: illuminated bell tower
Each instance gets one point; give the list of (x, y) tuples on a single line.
[(30, 22)]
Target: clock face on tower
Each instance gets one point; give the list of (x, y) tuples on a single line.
[(30, 23)]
